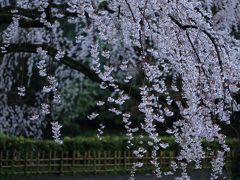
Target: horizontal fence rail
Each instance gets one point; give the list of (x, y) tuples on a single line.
[(60, 162)]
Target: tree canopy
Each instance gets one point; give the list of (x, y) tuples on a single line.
[(176, 58)]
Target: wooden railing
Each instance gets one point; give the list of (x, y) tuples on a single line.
[(53, 162)]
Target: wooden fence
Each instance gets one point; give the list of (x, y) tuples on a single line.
[(53, 162)]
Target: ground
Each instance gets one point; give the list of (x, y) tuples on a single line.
[(196, 175)]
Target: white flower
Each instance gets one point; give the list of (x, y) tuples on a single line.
[(59, 55), (93, 116), (21, 90), (56, 132), (100, 131), (100, 103), (34, 117), (45, 108), (56, 98)]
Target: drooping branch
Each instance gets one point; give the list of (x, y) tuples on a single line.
[(77, 65), (68, 61), (24, 23), (29, 18), (30, 21), (30, 13), (212, 39)]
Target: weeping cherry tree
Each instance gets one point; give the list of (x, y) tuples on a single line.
[(186, 51)]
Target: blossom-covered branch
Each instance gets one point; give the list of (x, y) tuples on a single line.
[(32, 48)]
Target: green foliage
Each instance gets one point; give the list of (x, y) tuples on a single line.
[(78, 101), (84, 93), (81, 144)]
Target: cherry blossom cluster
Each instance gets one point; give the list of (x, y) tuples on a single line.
[(185, 53), (100, 131), (130, 131), (56, 132), (10, 33), (21, 90), (41, 65)]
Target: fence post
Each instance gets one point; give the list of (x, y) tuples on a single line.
[(12, 162), (25, 163), (50, 162), (73, 161), (31, 161), (55, 160), (38, 162), (61, 163), (7, 159), (85, 162), (125, 160), (115, 160), (119, 157), (89, 158), (99, 158), (94, 162), (105, 162), (1, 156), (43, 166)]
